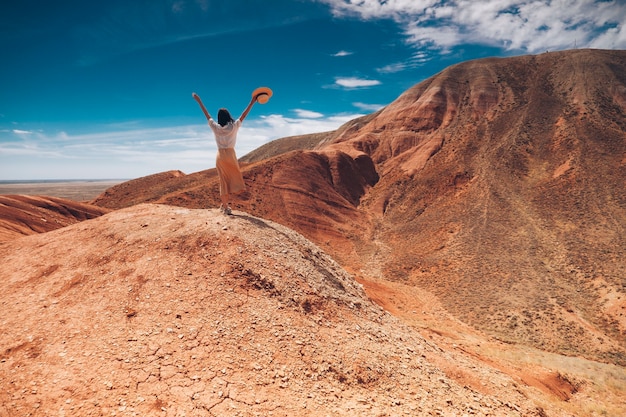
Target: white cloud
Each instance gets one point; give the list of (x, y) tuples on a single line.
[(442, 37), (277, 126), (308, 114), (374, 9), (132, 153), (368, 107), (354, 82), (393, 68), (614, 38), (22, 132), (527, 25), (418, 59), (343, 53)]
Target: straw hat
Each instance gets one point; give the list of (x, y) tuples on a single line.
[(262, 94)]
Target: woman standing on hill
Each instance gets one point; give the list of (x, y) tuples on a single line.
[(225, 130)]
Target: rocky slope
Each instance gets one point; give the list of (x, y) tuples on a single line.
[(161, 310), (496, 185)]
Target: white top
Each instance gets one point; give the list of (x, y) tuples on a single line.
[(225, 136)]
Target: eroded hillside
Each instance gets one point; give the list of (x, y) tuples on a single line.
[(26, 215)]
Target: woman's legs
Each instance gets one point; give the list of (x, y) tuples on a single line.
[(231, 180), (225, 203)]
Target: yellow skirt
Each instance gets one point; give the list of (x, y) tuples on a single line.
[(231, 180)]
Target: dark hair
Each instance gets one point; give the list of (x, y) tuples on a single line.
[(224, 117)]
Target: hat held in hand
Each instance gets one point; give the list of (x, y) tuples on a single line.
[(262, 94)]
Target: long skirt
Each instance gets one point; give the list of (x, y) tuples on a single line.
[(231, 180)]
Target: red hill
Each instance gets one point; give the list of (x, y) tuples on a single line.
[(26, 215)]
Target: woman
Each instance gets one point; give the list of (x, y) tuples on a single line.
[(225, 130)]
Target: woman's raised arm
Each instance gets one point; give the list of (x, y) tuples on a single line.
[(197, 98), (247, 110)]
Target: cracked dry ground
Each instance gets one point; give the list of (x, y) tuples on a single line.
[(158, 310)]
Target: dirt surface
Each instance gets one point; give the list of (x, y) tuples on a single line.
[(159, 310)]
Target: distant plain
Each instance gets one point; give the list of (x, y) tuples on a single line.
[(77, 190)]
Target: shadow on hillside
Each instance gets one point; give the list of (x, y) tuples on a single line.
[(254, 220), (330, 278)]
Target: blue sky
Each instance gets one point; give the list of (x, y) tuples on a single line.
[(102, 89)]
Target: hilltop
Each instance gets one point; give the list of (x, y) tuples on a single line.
[(159, 310)]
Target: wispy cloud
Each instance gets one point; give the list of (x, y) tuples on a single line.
[(393, 68), (530, 26), (342, 53), (354, 82), (276, 126), (376, 9), (418, 59), (308, 114), (368, 107), (22, 132), (132, 153)]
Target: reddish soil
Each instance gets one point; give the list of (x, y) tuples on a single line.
[(159, 310), (484, 209), (25, 215)]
